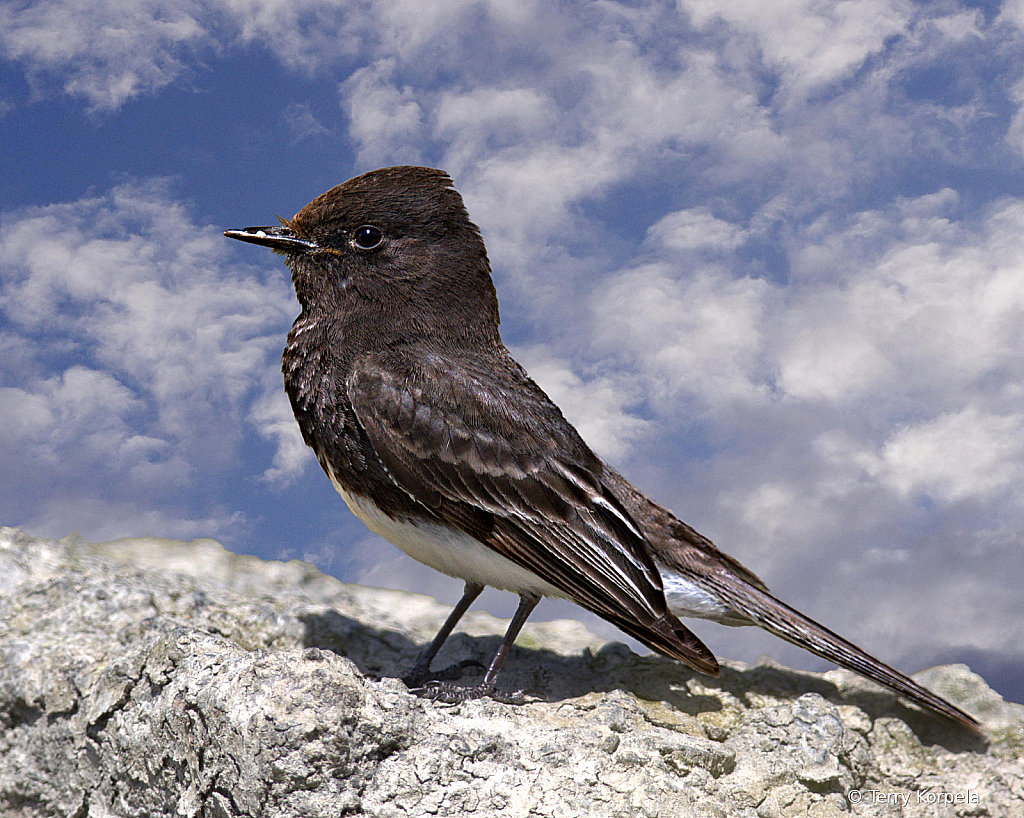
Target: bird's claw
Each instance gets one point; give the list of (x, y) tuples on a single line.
[(447, 693), (418, 678)]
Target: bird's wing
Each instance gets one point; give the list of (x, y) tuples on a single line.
[(451, 434)]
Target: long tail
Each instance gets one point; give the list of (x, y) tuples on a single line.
[(776, 616)]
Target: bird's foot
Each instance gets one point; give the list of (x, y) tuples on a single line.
[(420, 677), (447, 693)]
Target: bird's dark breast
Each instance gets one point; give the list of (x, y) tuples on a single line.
[(315, 367)]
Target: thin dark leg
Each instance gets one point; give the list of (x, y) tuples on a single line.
[(447, 692), (526, 606), (421, 670)]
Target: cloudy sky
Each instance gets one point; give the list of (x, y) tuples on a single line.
[(769, 257)]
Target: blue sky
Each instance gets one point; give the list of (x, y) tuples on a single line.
[(768, 257)]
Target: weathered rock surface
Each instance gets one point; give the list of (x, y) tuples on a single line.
[(149, 677)]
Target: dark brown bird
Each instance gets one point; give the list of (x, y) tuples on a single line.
[(441, 443)]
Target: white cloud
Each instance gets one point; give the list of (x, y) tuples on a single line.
[(104, 50), (558, 113), (171, 344), (100, 518), (961, 25), (486, 120), (81, 407), (302, 123), (809, 42), (154, 307), (1012, 11), (1015, 133), (108, 51), (271, 415), (694, 229), (598, 407), (696, 335), (27, 416), (386, 120), (305, 35), (959, 455), (906, 307), (408, 27)]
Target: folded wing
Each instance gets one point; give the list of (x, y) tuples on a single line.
[(516, 475)]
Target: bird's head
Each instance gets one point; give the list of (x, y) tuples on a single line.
[(395, 239)]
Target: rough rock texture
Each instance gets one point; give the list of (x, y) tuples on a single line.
[(148, 677)]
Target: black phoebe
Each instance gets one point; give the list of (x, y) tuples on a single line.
[(441, 443)]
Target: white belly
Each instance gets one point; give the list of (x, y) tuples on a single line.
[(448, 550)]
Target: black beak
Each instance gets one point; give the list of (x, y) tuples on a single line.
[(278, 238)]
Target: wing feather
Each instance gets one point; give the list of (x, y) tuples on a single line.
[(521, 462)]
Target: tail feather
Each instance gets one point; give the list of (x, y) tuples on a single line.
[(777, 617)]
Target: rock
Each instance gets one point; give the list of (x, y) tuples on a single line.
[(149, 677)]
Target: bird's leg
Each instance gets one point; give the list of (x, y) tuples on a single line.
[(420, 672), (452, 694)]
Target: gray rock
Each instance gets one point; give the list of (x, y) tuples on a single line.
[(149, 677)]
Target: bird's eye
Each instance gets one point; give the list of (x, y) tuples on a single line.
[(367, 237)]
